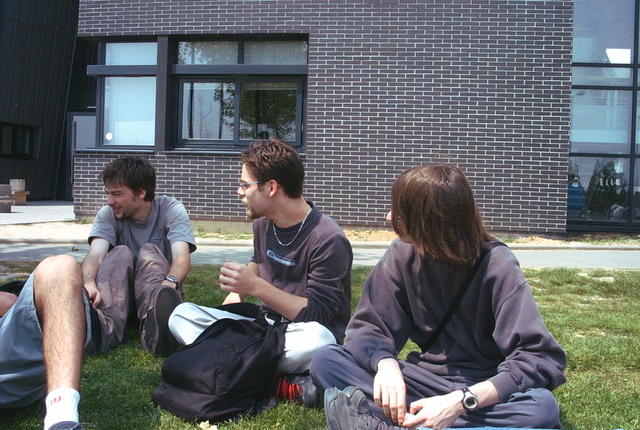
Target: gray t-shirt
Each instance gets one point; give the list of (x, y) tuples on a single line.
[(166, 224)]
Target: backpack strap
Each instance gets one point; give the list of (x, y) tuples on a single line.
[(456, 301)]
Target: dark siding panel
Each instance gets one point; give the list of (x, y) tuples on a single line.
[(36, 40)]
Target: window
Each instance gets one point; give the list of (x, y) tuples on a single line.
[(16, 141), (603, 31), (208, 111), (233, 92), (126, 108), (129, 111), (603, 190), (199, 95)]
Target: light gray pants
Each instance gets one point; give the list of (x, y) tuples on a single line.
[(301, 340)]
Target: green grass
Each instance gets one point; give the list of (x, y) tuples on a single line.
[(595, 315)]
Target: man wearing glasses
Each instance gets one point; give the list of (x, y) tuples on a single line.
[(300, 269)]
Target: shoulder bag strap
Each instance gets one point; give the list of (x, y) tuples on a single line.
[(483, 253)]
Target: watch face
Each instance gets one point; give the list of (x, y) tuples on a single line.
[(171, 278), (470, 401)]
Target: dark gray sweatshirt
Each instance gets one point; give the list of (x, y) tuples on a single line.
[(317, 266), (497, 332)]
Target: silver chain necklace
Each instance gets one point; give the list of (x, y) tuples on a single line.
[(273, 225)]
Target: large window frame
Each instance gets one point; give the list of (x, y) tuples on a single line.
[(104, 71), (630, 157), (239, 74), (170, 76), (237, 142)]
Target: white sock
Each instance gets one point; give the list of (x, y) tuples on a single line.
[(62, 405)]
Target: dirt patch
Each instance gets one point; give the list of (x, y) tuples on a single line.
[(370, 235)]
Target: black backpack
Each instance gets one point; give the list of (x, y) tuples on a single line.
[(226, 372)]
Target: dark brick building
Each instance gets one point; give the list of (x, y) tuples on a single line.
[(365, 89)]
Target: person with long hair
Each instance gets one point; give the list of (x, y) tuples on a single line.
[(494, 362)]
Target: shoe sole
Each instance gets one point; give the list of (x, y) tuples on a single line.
[(158, 339)]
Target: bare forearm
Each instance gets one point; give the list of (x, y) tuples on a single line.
[(286, 304), (90, 267), (487, 394), (180, 267)]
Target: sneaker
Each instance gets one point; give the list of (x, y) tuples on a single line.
[(343, 409), (156, 336), (349, 410), (299, 389), (67, 425)]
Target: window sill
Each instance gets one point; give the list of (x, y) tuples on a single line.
[(217, 151), (128, 149)]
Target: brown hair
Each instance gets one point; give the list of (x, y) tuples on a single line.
[(134, 172), (274, 159), (433, 207)]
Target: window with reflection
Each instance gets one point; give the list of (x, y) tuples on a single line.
[(268, 109), (603, 31), (600, 121), (233, 98), (214, 52), (602, 76), (275, 52), (208, 110), (598, 188)]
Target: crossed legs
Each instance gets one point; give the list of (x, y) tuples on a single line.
[(334, 366)]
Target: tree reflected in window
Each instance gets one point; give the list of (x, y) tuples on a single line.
[(268, 109)]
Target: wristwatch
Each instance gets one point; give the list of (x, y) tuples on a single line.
[(172, 278), (469, 400)]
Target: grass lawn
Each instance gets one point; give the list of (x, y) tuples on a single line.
[(595, 315)]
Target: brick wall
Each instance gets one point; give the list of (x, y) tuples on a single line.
[(392, 84)]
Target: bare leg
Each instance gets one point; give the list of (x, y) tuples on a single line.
[(58, 299), (6, 301)]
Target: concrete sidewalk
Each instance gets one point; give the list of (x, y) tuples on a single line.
[(41, 211), (362, 256), (23, 237)]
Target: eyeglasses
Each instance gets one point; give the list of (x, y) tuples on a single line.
[(245, 185)]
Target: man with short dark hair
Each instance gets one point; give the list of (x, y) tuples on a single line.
[(493, 364), (301, 266), (142, 241)]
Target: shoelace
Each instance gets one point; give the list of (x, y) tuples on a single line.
[(288, 391)]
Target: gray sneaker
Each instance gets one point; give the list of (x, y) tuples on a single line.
[(346, 409), (349, 410), (155, 335)]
